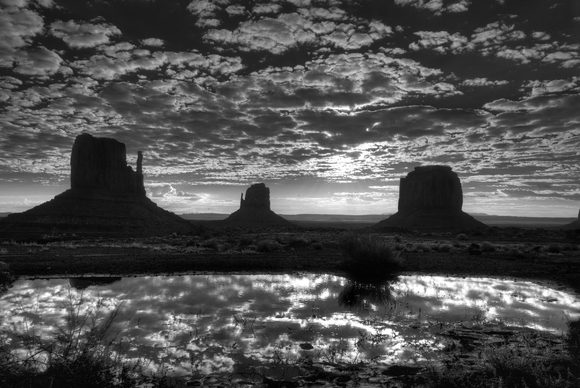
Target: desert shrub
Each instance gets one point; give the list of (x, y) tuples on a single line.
[(398, 238), (506, 366), (554, 248), (267, 246), (461, 237), (3, 251), (487, 247), (368, 252), (445, 248), (317, 246), (192, 249), (570, 247), (422, 247), (211, 244), (298, 241), (6, 277), (246, 240), (224, 247), (572, 340), (399, 247), (517, 253), (249, 249)]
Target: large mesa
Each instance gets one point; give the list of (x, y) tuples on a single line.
[(255, 209), (107, 198), (431, 198)]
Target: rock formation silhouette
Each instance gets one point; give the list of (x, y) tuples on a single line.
[(106, 198), (431, 198), (255, 209), (101, 163), (257, 197), (573, 224)]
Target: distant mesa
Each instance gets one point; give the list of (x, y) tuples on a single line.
[(106, 198), (255, 209), (431, 198)]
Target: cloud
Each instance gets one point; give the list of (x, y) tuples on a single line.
[(83, 35), (153, 42), (17, 28), (440, 41), (36, 62), (291, 30), (266, 8), (553, 86), (483, 82), (436, 6), (496, 33)]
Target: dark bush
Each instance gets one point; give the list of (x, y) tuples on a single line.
[(369, 255), (572, 339)]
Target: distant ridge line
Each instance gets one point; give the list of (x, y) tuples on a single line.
[(491, 220)]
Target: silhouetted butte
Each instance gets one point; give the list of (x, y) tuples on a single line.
[(431, 198), (255, 209), (106, 198)]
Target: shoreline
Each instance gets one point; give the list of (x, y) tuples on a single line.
[(560, 271)]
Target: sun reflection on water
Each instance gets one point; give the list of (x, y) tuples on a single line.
[(202, 324)]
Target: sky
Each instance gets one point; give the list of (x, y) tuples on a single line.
[(329, 102)]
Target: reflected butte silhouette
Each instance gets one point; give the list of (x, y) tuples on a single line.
[(255, 209), (431, 199), (106, 198)]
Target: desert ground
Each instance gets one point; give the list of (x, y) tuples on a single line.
[(529, 253), (548, 256)]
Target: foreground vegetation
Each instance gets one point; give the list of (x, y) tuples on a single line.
[(87, 352), (509, 366)]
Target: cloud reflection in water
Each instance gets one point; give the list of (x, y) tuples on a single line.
[(232, 323)]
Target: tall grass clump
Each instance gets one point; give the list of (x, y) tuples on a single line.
[(85, 351), (369, 254), (515, 365), (6, 277), (572, 340), (507, 367)]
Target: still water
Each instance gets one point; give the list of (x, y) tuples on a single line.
[(224, 324)]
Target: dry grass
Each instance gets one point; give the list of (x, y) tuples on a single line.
[(84, 352)]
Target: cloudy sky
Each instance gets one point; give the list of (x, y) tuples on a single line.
[(327, 102)]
